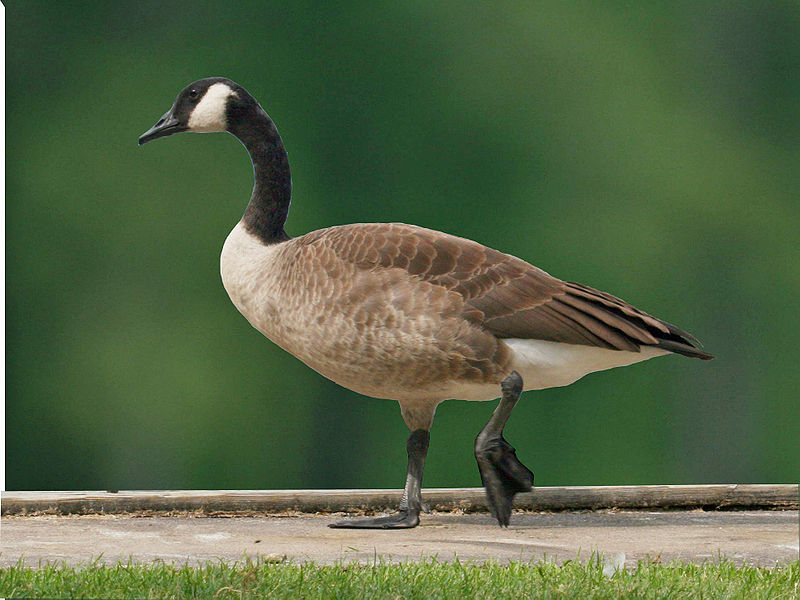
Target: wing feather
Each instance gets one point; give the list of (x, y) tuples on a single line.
[(505, 295)]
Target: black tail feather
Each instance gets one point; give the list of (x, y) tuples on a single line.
[(683, 348)]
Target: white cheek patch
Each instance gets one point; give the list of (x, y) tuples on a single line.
[(209, 114)]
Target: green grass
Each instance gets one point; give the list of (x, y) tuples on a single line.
[(428, 580)]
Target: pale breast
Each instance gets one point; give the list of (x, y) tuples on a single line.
[(377, 331)]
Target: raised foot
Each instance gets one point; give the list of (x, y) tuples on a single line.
[(502, 474), (402, 519)]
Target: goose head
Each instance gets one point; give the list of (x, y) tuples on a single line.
[(204, 106)]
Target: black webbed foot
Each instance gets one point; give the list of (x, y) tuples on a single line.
[(402, 519), (407, 515), (502, 473)]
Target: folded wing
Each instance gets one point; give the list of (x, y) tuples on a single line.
[(505, 295)]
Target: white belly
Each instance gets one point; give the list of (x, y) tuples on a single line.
[(543, 364)]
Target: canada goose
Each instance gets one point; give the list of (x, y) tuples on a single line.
[(406, 313)]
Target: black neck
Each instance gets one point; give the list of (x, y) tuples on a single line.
[(272, 192)]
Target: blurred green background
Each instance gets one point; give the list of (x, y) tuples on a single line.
[(647, 149)]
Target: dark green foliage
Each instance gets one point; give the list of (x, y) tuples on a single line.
[(648, 150)]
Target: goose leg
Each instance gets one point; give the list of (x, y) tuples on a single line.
[(407, 515), (502, 474)]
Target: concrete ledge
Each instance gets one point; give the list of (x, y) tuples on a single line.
[(762, 537), (709, 497)]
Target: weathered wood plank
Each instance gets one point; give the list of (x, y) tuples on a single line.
[(720, 496)]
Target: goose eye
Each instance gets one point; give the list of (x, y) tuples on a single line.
[(193, 94)]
